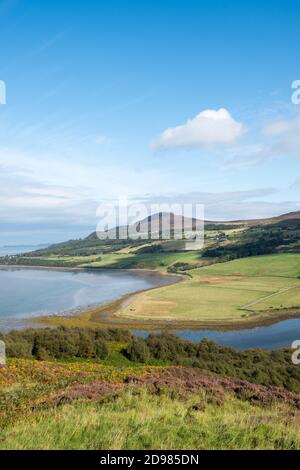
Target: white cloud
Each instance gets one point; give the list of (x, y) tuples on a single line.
[(210, 127), (285, 136)]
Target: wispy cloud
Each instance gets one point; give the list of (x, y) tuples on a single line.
[(284, 136), (102, 140), (35, 51), (42, 188), (230, 205)]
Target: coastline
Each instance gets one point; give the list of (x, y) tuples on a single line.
[(96, 315), (150, 272), (86, 310), (47, 268), (108, 315)]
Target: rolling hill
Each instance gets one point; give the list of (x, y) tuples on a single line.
[(223, 241)]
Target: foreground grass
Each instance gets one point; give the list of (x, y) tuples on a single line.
[(27, 382), (88, 405), (144, 421)]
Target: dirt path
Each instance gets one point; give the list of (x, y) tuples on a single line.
[(262, 299)]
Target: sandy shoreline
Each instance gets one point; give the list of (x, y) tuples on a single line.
[(108, 315)]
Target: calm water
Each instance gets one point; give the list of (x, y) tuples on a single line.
[(33, 292), (276, 336)]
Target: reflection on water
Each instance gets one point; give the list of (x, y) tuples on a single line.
[(35, 292), (276, 336)]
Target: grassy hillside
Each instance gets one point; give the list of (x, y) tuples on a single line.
[(125, 258), (121, 402), (223, 241), (158, 261), (146, 421), (282, 265)]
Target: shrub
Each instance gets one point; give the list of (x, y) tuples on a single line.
[(60, 342), (166, 347), (21, 348), (101, 349), (256, 365), (137, 350), (41, 354), (86, 347)]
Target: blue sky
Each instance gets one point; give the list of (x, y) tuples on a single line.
[(93, 87)]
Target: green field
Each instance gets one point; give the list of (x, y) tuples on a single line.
[(225, 292), (282, 265), (160, 261)]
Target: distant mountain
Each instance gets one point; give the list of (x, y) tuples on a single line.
[(266, 221), (176, 223), (223, 240), (156, 223), (281, 218)]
